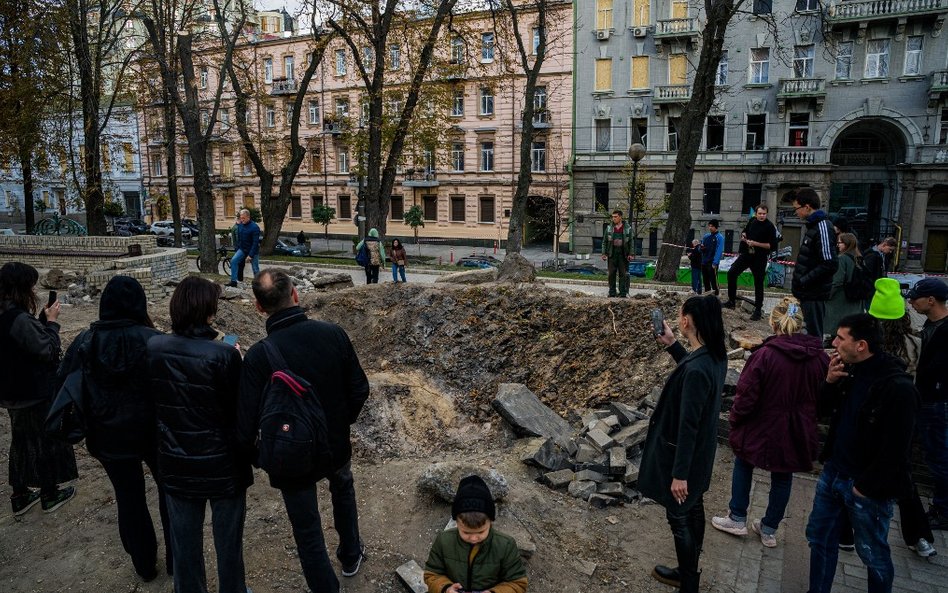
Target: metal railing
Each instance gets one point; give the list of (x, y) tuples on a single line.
[(283, 86)]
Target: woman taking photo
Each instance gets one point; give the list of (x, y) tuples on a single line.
[(194, 378), (682, 437), (120, 414), (29, 353), (773, 420)]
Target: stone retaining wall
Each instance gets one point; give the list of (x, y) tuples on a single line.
[(152, 271)]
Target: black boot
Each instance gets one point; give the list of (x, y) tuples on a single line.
[(729, 304), (755, 316), (668, 576)]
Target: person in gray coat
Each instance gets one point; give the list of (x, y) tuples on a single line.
[(679, 450)]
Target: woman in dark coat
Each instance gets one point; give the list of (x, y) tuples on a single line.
[(773, 420), (29, 352), (194, 378), (682, 437), (120, 414)]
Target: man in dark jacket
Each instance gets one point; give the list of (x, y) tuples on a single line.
[(757, 241), (247, 245), (928, 297), (876, 259), (617, 252), (816, 261), (872, 403), (321, 353)]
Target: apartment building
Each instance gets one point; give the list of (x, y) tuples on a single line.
[(463, 179), (849, 98)]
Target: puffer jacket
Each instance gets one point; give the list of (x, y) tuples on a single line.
[(773, 419), (29, 353), (194, 379), (495, 565), (816, 261)]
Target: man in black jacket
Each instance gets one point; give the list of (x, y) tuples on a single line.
[(321, 353), (757, 241), (876, 259), (816, 261), (872, 403)]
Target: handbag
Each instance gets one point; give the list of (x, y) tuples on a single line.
[(401, 263), (66, 418)]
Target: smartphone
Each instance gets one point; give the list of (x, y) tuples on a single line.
[(658, 322), (230, 339), (49, 303)]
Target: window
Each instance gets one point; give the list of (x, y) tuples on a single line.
[(394, 57), (877, 58), (604, 14), (603, 135), (204, 74), (943, 127), (638, 127), (720, 78), (540, 113), (672, 133), (712, 198), (601, 193), (808, 5), (756, 138), (486, 209), (799, 129), (487, 156), (186, 164), (340, 62), (457, 156), (603, 74), (457, 208), (270, 116), (803, 61), (289, 113), (714, 134), (315, 160), (487, 47), (205, 119), (343, 161), (457, 50), (345, 207), (763, 6), (314, 112), (844, 60), (639, 72), (640, 13), (457, 107), (536, 40), (225, 117), (128, 162), (368, 58), (429, 206), (760, 65), (268, 70), (397, 208), (913, 56), (296, 207), (342, 107), (538, 157), (751, 196), (487, 101), (156, 160), (429, 160)]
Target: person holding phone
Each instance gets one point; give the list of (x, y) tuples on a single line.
[(679, 450), (398, 258)]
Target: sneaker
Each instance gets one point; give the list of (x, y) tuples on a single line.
[(729, 525), (62, 497), (729, 305), (24, 502), (923, 548), (353, 569), (232, 284), (768, 539)]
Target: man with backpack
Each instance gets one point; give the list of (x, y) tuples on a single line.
[(303, 384), (876, 259)]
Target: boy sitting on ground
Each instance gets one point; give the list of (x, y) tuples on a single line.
[(474, 557)]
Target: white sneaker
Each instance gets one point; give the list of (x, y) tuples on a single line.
[(768, 539), (923, 548), (729, 525)]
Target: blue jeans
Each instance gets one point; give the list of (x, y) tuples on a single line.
[(696, 279), (396, 270), (240, 256), (933, 433), (870, 520), (187, 542), (780, 484), (303, 511)]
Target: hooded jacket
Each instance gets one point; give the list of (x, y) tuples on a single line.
[(29, 351), (816, 261), (375, 247), (773, 418)]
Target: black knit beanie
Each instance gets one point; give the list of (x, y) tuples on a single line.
[(124, 298), (473, 495)]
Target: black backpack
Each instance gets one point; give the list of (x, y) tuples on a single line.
[(293, 435), (861, 286)]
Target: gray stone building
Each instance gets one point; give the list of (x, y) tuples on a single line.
[(850, 99)]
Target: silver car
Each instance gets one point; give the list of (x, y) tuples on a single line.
[(166, 228)]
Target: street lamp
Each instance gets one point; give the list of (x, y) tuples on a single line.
[(636, 153)]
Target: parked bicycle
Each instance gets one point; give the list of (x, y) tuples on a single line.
[(223, 260)]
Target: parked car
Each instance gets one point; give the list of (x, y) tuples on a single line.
[(192, 226), (134, 226), (7, 232), (284, 247), (584, 269), (479, 261), (166, 228)]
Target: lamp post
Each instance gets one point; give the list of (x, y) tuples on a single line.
[(636, 154)]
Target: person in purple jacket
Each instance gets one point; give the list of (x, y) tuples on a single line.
[(773, 420)]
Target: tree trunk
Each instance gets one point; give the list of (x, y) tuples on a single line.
[(26, 164), (171, 161)]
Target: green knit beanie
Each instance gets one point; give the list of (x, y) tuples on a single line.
[(887, 302)]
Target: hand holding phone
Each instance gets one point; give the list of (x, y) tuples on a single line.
[(658, 322), (51, 311), (230, 339)]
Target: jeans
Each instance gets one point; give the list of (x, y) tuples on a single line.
[(758, 267), (813, 314), (371, 274), (136, 529), (870, 520), (397, 269), (618, 269), (933, 433), (303, 511), (238, 260), (780, 484), (187, 542), (696, 279), (709, 273), (688, 530)]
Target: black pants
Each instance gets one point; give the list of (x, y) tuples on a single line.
[(709, 274), (371, 274), (813, 314), (758, 267), (135, 524), (688, 530), (36, 459)]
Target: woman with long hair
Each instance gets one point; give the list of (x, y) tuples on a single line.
[(773, 420), (29, 353), (679, 451), (398, 258), (838, 306), (120, 414)]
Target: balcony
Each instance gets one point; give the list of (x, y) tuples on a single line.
[(541, 119), (420, 178), (938, 88), (669, 29), (789, 89), (672, 93), (283, 86), (797, 157), (852, 11), (452, 71), (332, 127)]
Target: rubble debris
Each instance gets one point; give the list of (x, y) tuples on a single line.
[(516, 268), (413, 576), (544, 453), (478, 276), (441, 480), (523, 410)]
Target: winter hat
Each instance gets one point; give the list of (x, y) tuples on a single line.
[(124, 298), (887, 302), (473, 495)]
